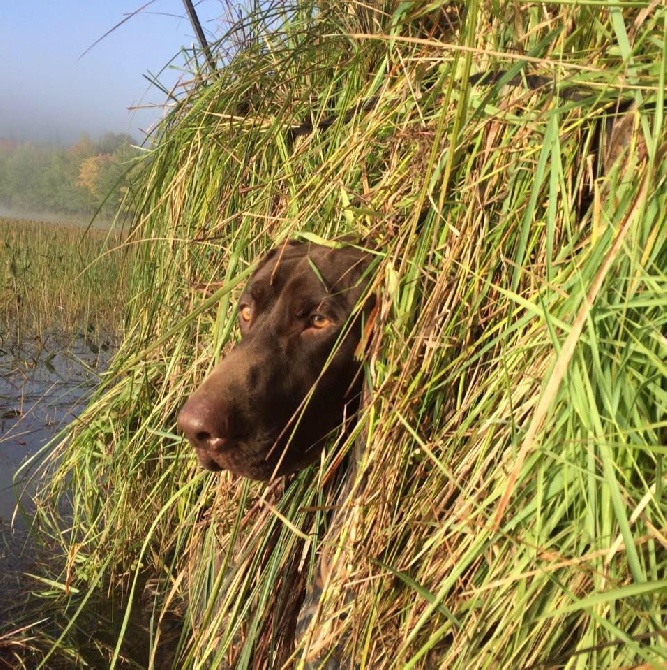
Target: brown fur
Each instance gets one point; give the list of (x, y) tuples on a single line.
[(270, 406)]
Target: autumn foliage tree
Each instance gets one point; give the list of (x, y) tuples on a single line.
[(90, 173), (81, 179)]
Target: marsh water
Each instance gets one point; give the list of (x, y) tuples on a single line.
[(44, 384)]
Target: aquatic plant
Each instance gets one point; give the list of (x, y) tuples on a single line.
[(61, 280)]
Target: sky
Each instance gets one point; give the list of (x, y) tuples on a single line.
[(52, 88)]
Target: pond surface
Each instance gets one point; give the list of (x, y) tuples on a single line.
[(43, 386)]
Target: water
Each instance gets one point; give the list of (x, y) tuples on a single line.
[(42, 389), (43, 386)]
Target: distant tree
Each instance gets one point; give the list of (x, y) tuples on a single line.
[(7, 149), (82, 148), (79, 179), (104, 176), (110, 143), (63, 193), (23, 176), (89, 173)]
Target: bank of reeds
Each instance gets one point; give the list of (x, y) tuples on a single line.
[(506, 502), (60, 280)]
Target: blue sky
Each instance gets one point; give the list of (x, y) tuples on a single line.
[(50, 92)]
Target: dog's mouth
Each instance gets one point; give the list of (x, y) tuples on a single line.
[(234, 458), (261, 461), (261, 455), (207, 462)]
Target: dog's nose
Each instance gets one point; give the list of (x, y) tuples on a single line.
[(203, 426)]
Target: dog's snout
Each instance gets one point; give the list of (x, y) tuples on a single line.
[(202, 425)]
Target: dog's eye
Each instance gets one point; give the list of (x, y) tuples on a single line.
[(319, 321), (245, 311)]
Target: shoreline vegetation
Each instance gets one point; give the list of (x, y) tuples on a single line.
[(78, 181), (60, 280), (505, 503)]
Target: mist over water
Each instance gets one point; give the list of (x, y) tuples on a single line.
[(75, 66), (64, 121), (48, 217)]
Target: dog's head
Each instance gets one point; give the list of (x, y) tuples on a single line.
[(270, 406)]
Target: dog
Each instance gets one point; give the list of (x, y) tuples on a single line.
[(273, 402)]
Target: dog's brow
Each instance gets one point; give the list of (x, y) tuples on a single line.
[(318, 274), (257, 291)]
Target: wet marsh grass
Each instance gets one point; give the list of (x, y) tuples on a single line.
[(61, 279), (506, 499), (63, 286)]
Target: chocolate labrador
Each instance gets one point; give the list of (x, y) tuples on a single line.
[(270, 406)]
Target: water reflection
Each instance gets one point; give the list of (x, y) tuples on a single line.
[(43, 386)]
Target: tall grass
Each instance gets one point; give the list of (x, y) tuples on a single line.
[(505, 506), (60, 279)]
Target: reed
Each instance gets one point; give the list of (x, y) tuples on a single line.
[(61, 280), (507, 504)]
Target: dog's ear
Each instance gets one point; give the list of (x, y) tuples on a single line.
[(346, 267), (357, 276)]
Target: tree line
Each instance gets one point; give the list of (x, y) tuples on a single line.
[(74, 180)]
